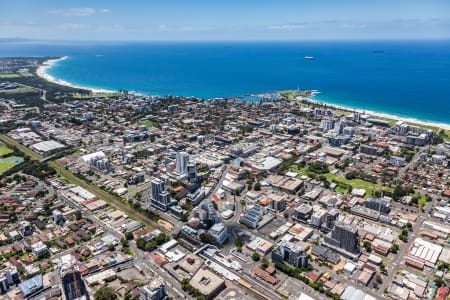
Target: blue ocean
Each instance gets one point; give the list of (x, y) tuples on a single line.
[(404, 78)]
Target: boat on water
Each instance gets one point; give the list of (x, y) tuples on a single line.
[(309, 57)]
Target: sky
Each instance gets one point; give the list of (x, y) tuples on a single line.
[(142, 20)]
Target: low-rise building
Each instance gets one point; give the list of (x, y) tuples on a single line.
[(39, 248), (155, 290), (260, 245), (208, 283), (303, 213)]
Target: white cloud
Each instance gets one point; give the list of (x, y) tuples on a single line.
[(105, 10), (71, 26), (111, 28), (74, 12), (289, 27), (318, 24), (353, 26), (165, 28)]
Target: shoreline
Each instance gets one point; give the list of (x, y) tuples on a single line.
[(41, 71), (381, 115)]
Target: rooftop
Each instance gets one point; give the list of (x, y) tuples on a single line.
[(207, 282)]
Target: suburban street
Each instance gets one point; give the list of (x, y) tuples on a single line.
[(101, 194), (397, 263)]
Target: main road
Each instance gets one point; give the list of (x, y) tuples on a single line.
[(99, 193), (141, 256), (396, 263)]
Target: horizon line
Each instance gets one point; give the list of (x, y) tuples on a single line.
[(18, 39)]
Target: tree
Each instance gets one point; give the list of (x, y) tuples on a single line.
[(409, 226), (379, 279), (216, 206), (257, 186), (394, 248), (367, 246), (161, 238), (129, 236), (105, 293), (383, 267), (238, 244), (439, 281), (318, 168), (264, 263), (184, 217), (207, 239), (443, 266), (140, 243), (403, 237), (77, 214), (256, 256)]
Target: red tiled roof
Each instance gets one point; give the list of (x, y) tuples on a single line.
[(158, 259), (264, 275), (442, 293)]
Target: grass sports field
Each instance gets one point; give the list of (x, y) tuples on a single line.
[(4, 150), (149, 123), (9, 162), (9, 75)]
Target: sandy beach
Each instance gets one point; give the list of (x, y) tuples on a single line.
[(382, 115), (42, 72)]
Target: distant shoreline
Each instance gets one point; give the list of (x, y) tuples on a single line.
[(46, 65), (42, 71), (382, 115)]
